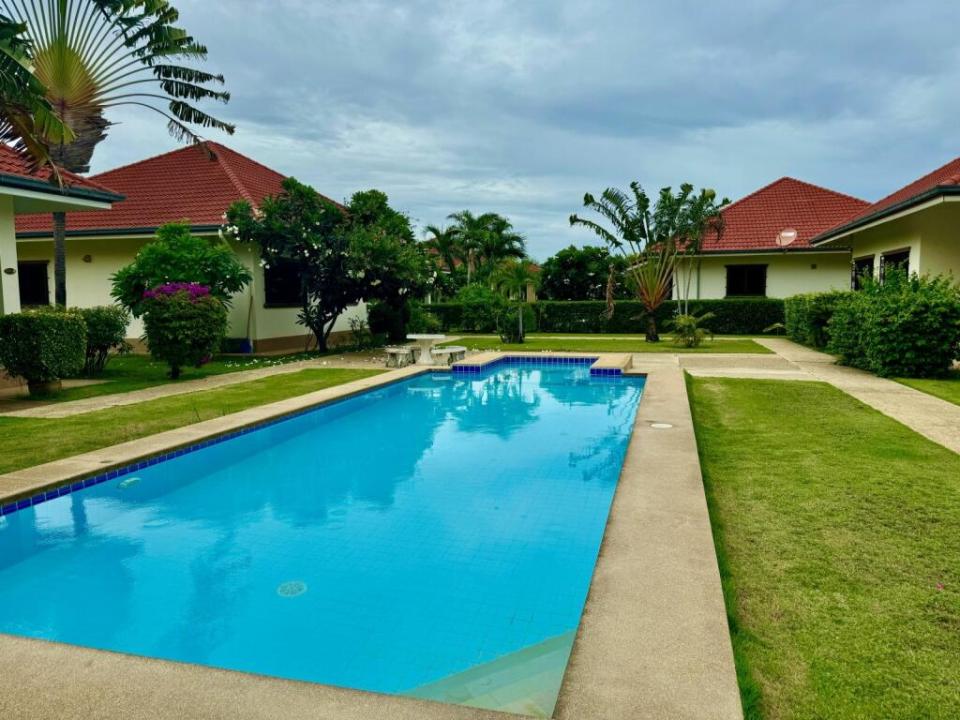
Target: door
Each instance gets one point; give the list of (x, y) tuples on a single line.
[(34, 282)]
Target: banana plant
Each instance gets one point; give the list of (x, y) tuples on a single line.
[(92, 56)]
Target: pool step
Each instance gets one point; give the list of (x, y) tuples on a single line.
[(612, 364), (526, 681)]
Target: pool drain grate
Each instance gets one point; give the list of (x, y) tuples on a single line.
[(291, 588)]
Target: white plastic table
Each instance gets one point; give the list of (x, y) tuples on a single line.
[(426, 343)]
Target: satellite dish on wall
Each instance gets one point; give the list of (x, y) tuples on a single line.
[(786, 237)]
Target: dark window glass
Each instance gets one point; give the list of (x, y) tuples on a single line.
[(281, 284), (746, 280), (862, 268), (899, 259), (34, 283)]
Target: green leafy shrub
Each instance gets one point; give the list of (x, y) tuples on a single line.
[(481, 308), (807, 316), (106, 331), (509, 327), (422, 321), (448, 314), (688, 330), (184, 324), (177, 256), (42, 347), (903, 327)]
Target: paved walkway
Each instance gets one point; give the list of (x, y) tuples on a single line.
[(103, 402), (935, 419)]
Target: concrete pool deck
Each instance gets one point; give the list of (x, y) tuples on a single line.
[(652, 642)]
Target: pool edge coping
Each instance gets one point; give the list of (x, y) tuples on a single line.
[(604, 697)]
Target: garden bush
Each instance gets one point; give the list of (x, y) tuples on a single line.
[(184, 324), (177, 256), (480, 308), (42, 347), (106, 331), (903, 327), (807, 315)]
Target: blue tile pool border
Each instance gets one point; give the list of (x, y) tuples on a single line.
[(464, 368), (70, 486)]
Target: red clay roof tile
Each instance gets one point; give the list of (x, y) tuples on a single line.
[(14, 164), (755, 221), (195, 184)]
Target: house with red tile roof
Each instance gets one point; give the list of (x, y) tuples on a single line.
[(763, 247), (917, 228), (196, 185), (24, 189)]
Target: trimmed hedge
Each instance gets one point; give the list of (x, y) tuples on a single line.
[(807, 316), (904, 327), (732, 316), (42, 346)]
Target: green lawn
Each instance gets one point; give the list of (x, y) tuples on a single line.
[(606, 343), (27, 441), (947, 388), (838, 533), (135, 372)]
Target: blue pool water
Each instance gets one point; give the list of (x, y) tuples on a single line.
[(386, 542)]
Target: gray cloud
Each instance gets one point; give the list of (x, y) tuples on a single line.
[(521, 107)]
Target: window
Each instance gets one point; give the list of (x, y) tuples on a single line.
[(746, 280), (862, 268), (34, 283), (897, 259), (281, 284)]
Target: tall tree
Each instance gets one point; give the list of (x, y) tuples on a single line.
[(650, 237), (94, 55), (443, 242), (484, 241), (583, 273), (27, 119), (513, 277), (300, 228)]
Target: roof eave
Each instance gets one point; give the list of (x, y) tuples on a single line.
[(887, 212), (772, 251), (109, 232), (23, 183)]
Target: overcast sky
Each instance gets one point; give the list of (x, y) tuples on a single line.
[(520, 107)]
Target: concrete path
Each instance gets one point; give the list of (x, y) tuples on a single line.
[(103, 402), (935, 419), (653, 642)]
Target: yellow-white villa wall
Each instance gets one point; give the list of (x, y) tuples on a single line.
[(787, 273), (91, 262), (931, 232)]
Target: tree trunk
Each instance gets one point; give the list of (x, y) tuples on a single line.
[(60, 258), (520, 321), (652, 335)]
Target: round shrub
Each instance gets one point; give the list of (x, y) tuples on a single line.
[(42, 347), (184, 324), (178, 256), (106, 331)]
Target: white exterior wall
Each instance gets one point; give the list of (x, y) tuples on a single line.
[(89, 284), (9, 283), (787, 274)]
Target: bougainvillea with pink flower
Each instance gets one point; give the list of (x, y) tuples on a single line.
[(191, 290)]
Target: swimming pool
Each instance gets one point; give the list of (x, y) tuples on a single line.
[(435, 537)]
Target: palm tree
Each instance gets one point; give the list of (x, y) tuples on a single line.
[(512, 278), (443, 242), (485, 240), (500, 243), (643, 237), (26, 116), (94, 55)]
